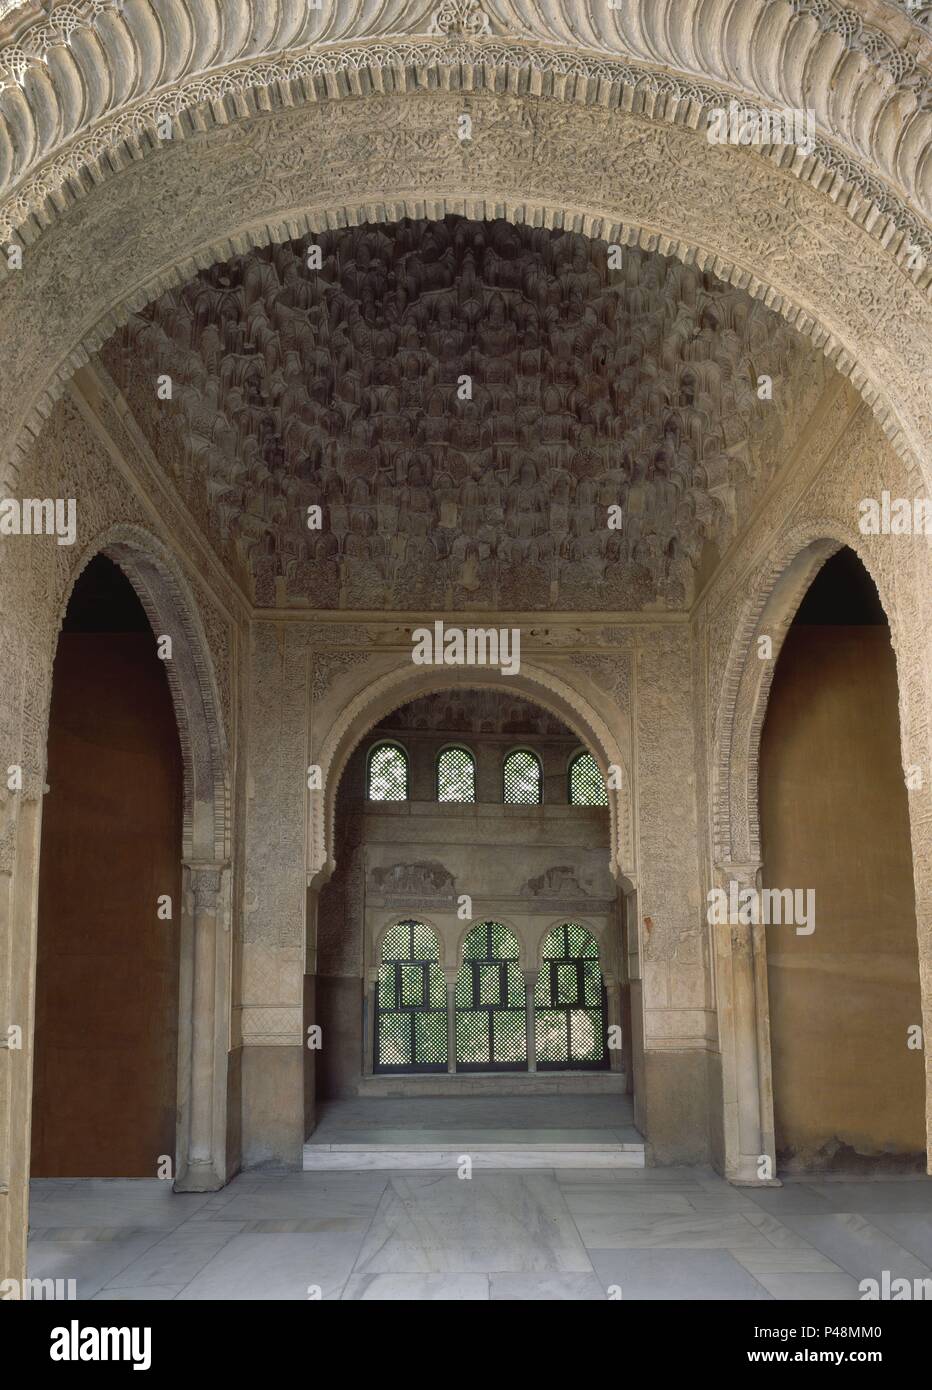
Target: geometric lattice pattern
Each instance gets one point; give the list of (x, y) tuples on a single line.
[(587, 785), (521, 779), (411, 1002), (569, 1002), (388, 773), (491, 1016), (456, 775)]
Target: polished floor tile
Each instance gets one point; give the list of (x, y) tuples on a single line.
[(709, 1275), (92, 1264), (914, 1194), (856, 1245), (417, 1288), (177, 1257), (838, 1287), (522, 1236), (511, 1223), (599, 1199), (788, 1260), (273, 1267), (546, 1288), (694, 1231)]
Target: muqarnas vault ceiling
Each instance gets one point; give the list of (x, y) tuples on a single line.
[(598, 379)]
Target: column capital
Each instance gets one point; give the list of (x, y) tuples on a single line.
[(745, 873), (204, 881)]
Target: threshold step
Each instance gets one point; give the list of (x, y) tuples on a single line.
[(330, 1157)]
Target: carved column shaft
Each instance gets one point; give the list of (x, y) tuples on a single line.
[(530, 984), (616, 1058), (202, 904), (451, 1020), (751, 1138)]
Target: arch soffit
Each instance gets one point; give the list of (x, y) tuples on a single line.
[(780, 585), (874, 331), (65, 117), (171, 610)]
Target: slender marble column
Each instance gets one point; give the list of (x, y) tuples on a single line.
[(744, 1010), (616, 1057), (451, 1021), (198, 1169), (530, 984)]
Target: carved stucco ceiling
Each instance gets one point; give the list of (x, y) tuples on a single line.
[(475, 712), (341, 388)]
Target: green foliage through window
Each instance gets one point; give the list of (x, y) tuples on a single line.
[(411, 1002), (491, 1014), (569, 1002)]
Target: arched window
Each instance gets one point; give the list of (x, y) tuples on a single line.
[(491, 1016), (587, 785), (456, 775), (521, 778), (411, 1002), (569, 1003), (387, 775)]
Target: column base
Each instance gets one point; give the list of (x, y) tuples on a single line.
[(745, 1174), (198, 1177)]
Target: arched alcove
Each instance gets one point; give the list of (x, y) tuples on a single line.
[(463, 868), (109, 943), (845, 1004)]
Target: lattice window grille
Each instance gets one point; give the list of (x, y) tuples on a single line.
[(456, 775), (587, 785), (411, 1002), (388, 773), (522, 779), (491, 1018), (569, 1002)]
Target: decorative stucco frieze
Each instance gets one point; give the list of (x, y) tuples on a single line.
[(186, 62)]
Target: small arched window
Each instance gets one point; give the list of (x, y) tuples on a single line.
[(587, 785), (456, 775), (522, 779), (387, 773)]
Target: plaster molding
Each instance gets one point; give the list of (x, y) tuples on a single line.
[(65, 111)]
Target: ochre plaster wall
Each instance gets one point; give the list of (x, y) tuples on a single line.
[(107, 988), (834, 818)]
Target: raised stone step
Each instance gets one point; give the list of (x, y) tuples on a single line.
[(496, 1084), (449, 1154)]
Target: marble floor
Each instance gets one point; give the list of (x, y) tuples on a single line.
[(654, 1233)]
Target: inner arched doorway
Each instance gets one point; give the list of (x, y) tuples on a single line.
[(452, 958), (844, 990), (107, 996)]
